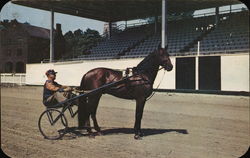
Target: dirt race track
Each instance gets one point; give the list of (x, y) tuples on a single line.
[(175, 126)]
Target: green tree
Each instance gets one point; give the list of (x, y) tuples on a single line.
[(79, 42)]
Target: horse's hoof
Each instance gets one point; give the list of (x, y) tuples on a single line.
[(138, 137)]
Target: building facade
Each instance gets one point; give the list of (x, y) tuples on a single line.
[(22, 43)]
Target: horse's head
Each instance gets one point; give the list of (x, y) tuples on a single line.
[(163, 58)]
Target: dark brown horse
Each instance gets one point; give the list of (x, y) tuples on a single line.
[(138, 87)]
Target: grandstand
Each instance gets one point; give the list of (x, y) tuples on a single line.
[(118, 44), (183, 35), (222, 63), (178, 36), (231, 35)]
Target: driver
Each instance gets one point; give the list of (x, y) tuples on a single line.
[(53, 92)]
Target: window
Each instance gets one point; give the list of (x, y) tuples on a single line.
[(9, 41), (19, 52), (8, 53), (20, 67), (20, 41), (8, 67)]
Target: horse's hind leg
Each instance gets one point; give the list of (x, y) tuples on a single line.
[(83, 115), (94, 101)]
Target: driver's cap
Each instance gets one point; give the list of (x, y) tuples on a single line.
[(50, 71)]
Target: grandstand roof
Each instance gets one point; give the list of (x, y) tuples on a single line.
[(119, 10)]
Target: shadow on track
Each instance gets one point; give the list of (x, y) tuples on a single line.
[(73, 132), (146, 131)]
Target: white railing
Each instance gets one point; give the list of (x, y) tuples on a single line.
[(221, 12), (122, 27), (13, 78)]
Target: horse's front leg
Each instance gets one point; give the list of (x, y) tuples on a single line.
[(140, 102)]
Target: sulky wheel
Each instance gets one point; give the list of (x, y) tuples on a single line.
[(52, 124)]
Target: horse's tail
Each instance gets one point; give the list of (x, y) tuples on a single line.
[(82, 82), (82, 106)]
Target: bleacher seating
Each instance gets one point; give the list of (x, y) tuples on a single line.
[(118, 43), (232, 33), (180, 34)]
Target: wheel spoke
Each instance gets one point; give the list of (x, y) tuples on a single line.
[(52, 124)]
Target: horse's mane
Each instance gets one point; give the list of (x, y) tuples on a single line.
[(147, 62)]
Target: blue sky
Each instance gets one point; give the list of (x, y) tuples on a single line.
[(41, 18)]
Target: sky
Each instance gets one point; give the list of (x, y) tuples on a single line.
[(41, 18)]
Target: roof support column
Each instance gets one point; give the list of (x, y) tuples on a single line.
[(51, 57), (164, 24), (156, 23), (216, 16), (110, 30), (197, 67)]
